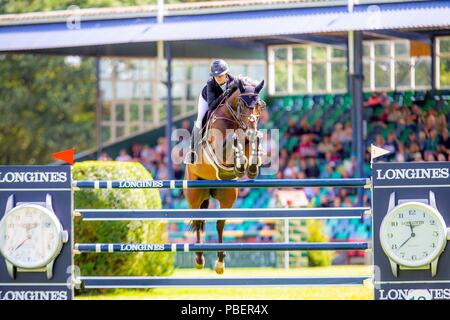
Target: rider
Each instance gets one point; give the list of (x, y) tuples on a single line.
[(219, 87)]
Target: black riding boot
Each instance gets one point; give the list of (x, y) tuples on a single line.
[(195, 145)]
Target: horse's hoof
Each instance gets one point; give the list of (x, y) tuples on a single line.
[(219, 267), (199, 265), (252, 174), (239, 173)]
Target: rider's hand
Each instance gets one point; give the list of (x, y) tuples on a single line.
[(228, 92)]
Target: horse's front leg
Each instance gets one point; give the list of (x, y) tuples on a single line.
[(239, 154), (254, 157)]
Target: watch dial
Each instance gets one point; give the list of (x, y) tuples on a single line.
[(29, 237), (412, 234)]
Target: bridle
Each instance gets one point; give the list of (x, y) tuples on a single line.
[(238, 116)]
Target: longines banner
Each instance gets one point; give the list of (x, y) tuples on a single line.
[(411, 217), (45, 190)]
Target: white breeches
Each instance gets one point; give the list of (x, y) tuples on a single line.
[(202, 109)]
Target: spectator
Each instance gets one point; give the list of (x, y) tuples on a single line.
[(444, 142), (317, 130), (304, 127), (312, 170), (291, 170), (329, 170), (307, 147), (123, 156), (401, 156), (432, 141), (136, 151), (441, 157), (325, 146), (292, 129), (391, 145), (104, 157), (422, 140), (394, 114)]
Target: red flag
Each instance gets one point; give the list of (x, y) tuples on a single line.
[(66, 155)]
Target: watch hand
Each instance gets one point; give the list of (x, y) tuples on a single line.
[(21, 243), (405, 242)]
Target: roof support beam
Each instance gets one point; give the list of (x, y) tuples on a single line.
[(238, 44), (414, 36), (307, 38)]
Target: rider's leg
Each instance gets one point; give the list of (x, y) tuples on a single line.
[(202, 108), (195, 138)]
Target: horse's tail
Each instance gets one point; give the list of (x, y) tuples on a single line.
[(199, 225)]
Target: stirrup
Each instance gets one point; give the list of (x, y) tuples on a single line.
[(188, 157)]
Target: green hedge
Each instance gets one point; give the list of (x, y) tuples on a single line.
[(316, 234), (124, 264)]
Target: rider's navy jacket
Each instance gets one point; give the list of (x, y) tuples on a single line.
[(213, 93)]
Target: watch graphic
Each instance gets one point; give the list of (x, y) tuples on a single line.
[(413, 234), (31, 236)]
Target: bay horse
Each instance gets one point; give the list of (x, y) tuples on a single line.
[(230, 147)]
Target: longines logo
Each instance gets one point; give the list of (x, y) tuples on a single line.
[(38, 176), (141, 184), (419, 173), (33, 295), (141, 247), (415, 294)]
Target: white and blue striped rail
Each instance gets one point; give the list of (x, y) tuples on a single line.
[(219, 184), (165, 282), (215, 214), (193, 247)]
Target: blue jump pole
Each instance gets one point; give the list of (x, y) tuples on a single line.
[(185, 184), (162, 282), (192, 247), (214, 214)]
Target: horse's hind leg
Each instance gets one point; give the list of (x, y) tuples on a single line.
[(220, 263), (226, 197), (199, 227)]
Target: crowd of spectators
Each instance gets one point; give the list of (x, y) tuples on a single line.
[(411, 133)]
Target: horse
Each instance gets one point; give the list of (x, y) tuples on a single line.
[(236, 119)]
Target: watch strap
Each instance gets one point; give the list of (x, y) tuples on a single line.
[(38, 203), (401, 201)]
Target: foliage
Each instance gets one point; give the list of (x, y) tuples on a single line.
[(124, 264), (316, 234), (46, 105)]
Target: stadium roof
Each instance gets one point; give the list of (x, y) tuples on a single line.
[(190, 8), (248, 20)]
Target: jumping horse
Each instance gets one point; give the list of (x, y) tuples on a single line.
[(230, 148)]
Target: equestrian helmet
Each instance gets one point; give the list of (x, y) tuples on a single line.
[(218, 68)]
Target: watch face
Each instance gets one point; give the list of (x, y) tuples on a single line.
[(29, 236), (413, 234)]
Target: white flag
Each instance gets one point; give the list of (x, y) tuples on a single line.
[(376, 152)]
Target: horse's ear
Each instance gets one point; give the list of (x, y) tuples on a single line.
[(259, 87), (241, 86)]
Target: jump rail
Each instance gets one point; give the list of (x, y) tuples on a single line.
[(214, 214), (162, 282), (189, 247), (185, 184)]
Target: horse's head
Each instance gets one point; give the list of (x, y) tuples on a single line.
[(247, 104)]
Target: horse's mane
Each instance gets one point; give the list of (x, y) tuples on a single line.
[(247, 81)]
